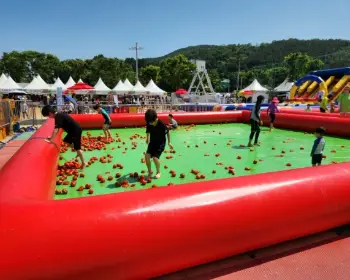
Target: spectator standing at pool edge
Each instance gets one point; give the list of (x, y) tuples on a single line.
[(70, 126), (318, 147), (255, 122), (156, 139), (324, 103), (107, 120), (272, 110), (172, 122)]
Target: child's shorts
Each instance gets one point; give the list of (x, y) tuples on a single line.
[(74, 139), (107, 124), (272, 118), (155, 150), (316, 159)]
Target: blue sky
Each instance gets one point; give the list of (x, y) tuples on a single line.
[(84, 28)]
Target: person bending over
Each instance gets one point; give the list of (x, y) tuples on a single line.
[(73, 129), (107, 120), (156, 139), (255, 122), (172, 122)]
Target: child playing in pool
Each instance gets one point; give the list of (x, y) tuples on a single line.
[(255, 122), (318, 147), (272, 110), (156, 140), (172, 123), (308, 109), (73, 129), (107, 120)]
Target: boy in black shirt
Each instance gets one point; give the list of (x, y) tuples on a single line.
[(70, 126), (156, 140)]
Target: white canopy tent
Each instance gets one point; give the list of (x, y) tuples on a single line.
[(101, 87), (257, 90), (37, 86), (153, 89), (121, 88), (286, 86), (139, 89), (70, 82), (9, 85), (3, 78), (128, 84), (58, 84), (80, 81)]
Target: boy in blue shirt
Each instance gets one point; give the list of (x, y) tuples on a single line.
[(318, 147), (107, 120)]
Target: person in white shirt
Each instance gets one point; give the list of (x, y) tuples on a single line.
[(255, 122), (318, 147)]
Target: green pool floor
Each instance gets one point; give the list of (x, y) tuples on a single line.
[(203, 147)]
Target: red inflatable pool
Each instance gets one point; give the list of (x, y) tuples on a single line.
[(147, 233)]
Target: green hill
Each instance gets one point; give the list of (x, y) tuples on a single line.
[(263, 61)]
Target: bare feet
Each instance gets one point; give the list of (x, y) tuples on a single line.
[(158, 175), (83, 166)]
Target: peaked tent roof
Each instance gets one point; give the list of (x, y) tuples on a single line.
[(58, 84), (121, 88), (3, 78), (70, 82), (139, 88), (128, 84), (37, 84), (255, 86), (154, 89), (285, 86), (80, 81), (101, 86), (9, 85), (40, 79)]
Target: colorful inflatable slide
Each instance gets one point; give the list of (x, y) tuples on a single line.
[(331, 81)]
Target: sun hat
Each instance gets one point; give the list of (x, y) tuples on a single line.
[(275, 100)]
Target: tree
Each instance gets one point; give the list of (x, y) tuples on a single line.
[(45, 65), (299, 64), (150, 72), (176, 72), (215, 80), (339, 59), (276, 75), (14, 64), (77, 68)]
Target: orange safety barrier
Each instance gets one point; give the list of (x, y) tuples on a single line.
[(143, 234)]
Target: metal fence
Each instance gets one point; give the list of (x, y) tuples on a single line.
[(21, 113)]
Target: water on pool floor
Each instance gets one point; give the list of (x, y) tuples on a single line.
[(207, 148)]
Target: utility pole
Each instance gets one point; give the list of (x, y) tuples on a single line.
[(239, 72), (136, 48)]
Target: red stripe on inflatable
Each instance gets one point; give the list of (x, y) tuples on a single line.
[(142, 234), (334, 126), (132, 120), (325, 115), (30, 173)]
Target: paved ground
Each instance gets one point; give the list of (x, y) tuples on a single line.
[(321, 256)]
